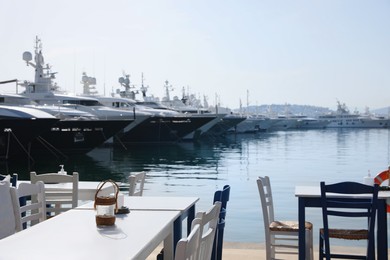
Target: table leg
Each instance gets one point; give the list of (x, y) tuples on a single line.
[(177, 230), (301, 236), (168, 245), (382, 231), (177, 225), (190, 218)]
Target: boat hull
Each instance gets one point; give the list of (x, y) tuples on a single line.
[(76, 136), (223, 126), (166, 129), (358, 123), (16, 135)]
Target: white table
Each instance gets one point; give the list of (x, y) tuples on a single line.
[(87, 189), (186, 206), (74, 235), (310, 196)]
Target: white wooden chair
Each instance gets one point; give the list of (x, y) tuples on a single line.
[(12, 179), (58, 200), (187, 248), (281, 237), (34, 211), (136, 182), (208, 222), (7, 217)]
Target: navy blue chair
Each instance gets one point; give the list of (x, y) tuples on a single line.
[(222, 196), (344, 207), (14, 179)]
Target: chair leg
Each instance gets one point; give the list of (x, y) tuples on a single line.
[(309, 245), (270, 250), (321, 248)]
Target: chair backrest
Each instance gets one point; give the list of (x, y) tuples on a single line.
[(13, 179), (33, 211), (208, 222), (136, 182), (58, 199), (187, 248), (223, 196), (7, 217), (349, 207), (267, 205)]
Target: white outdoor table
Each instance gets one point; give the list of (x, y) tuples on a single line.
[(87, 189), (186, 206), (74, 235), (310, 196)]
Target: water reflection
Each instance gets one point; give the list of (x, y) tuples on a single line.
[(290, 158)]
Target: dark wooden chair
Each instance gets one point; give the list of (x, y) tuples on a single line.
[(222, 196), (354, 207)]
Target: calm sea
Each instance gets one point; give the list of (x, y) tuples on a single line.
[(290, 158)]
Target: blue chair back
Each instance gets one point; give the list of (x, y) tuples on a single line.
[(348, 208), (223, 196)]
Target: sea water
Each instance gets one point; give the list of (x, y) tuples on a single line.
[(289, 158)]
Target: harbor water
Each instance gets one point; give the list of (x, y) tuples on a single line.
[(289, 158)]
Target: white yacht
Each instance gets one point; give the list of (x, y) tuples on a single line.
[(253, 124), (45, 92), (164, 125), (189, 104), (342, 118)]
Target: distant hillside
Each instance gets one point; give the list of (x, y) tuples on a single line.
[(285, 109), (382, 111)]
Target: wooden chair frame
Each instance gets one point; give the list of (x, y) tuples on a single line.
[(32, 212), (136, 183), (208, 222), (281, 237), (348, 207), (58, 200)]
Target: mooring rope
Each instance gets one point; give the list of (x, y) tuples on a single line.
[(20, 144)]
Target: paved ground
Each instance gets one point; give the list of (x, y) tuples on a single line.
[(252, 251)]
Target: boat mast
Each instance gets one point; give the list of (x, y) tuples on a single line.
[(43, 75)]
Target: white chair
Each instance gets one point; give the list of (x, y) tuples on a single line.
[(34, 211), (281, 237), (12, 179), (7, 217), (136, 182), (207, 222), (187, 248), (58, 200)]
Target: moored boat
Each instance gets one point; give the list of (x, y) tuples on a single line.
[(19, 126), (254, 124), (74, 132), (343, 118), (163, 125)]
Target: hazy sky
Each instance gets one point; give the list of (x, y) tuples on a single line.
[(291, 51)]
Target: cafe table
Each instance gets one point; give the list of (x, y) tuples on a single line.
[(87, 189), (310, 196), (74, 235), (186, 206)]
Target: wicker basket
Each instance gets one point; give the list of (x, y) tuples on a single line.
[(108, 218)]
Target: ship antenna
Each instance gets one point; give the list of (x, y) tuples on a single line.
[(388, 140)]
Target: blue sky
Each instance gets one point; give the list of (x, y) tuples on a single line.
[(295, 52)]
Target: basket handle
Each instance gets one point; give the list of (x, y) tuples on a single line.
[(116, 188)]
